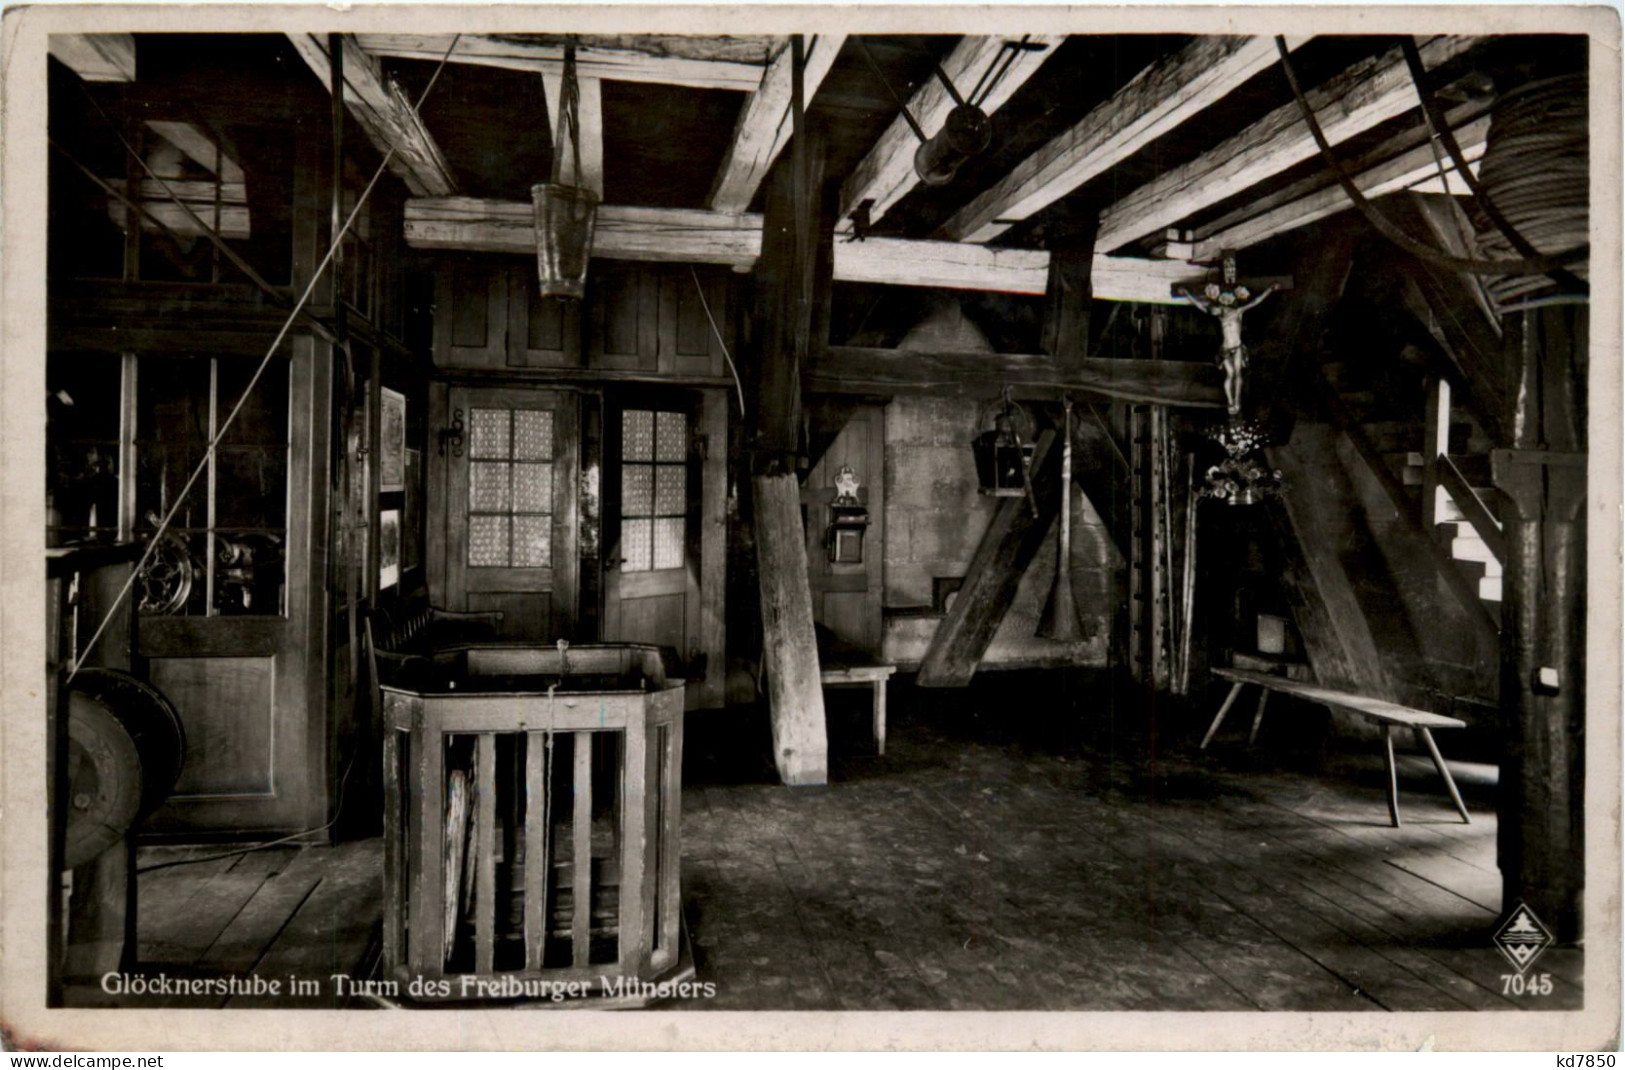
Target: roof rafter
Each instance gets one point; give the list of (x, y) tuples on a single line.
[(1415, 167), (1159, 98), (699, 236), (385, 114), (886, 174), (1365, 95), (764, 126), (96, 57), (701, 62), (199, 147)]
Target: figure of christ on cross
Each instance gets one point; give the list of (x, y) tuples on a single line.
[(1229, 303)]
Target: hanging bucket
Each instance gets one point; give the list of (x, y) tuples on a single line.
[(564, 224)]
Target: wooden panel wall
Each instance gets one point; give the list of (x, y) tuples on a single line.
[(490, 315), (228, 707), (847, 598), (640, 319), (543, 332)]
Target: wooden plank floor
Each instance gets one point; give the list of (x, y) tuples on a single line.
[(989, 861), (987, 864), (274, 914)]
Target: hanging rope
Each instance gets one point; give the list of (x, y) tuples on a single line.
[(715, 330), (569, 124), (886, 82), (1528, 266), (978, 95), (265, 362)]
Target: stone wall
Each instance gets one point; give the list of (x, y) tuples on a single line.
[(935, 518)]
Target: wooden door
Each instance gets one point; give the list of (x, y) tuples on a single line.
[(847, 597), (229, 616), (507, 519), (664, 502)]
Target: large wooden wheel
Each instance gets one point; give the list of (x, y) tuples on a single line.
[(125, 749)]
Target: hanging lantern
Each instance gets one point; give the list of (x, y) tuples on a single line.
[(565, 212), (1004, 448)]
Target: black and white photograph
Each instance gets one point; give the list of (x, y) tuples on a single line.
[(895, 509)]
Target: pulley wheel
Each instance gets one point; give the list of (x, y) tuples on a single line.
[(125, 749)]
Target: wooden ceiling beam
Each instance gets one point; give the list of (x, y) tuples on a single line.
[(1010, 543), (1155, 101), (1365, 95), (962, 266), (886, 174), (96, 57), (671, 59), (764, 126), (199, 147), (590, 116), (688, 235), (385, 114), (1302, 203), (1032, 376)]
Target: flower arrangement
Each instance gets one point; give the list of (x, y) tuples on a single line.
[(1242, 478)]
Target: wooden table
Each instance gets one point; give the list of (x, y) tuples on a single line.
[(874, 676), (1388, 714)]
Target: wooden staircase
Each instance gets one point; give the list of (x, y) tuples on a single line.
[(1434, 464)]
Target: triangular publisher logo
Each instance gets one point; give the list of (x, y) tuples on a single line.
[(1522, 937)]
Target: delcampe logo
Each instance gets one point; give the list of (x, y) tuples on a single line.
[(1522, 938)]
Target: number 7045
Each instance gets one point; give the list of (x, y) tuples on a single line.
[(1519, 984)]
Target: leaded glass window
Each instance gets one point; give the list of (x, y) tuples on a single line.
[(510, 488), (654, 489)]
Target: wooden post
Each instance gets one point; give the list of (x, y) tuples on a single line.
[(1070, 293), (1437, 442), (793, 275), (1541, 798), (1064, 613), (1007, 548), (1066, 338), (790, 647), (1325, 608), (1187, 585), (101, 915), (581, 852)]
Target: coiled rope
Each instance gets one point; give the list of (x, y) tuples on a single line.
[(1536, 169)]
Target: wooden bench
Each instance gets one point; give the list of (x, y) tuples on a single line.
[(1388, 714), (842, 664), (408, 634), (874, 676)]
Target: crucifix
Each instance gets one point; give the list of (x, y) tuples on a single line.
[(1229, 300)]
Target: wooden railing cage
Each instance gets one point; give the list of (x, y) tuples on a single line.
[(532, 817)]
